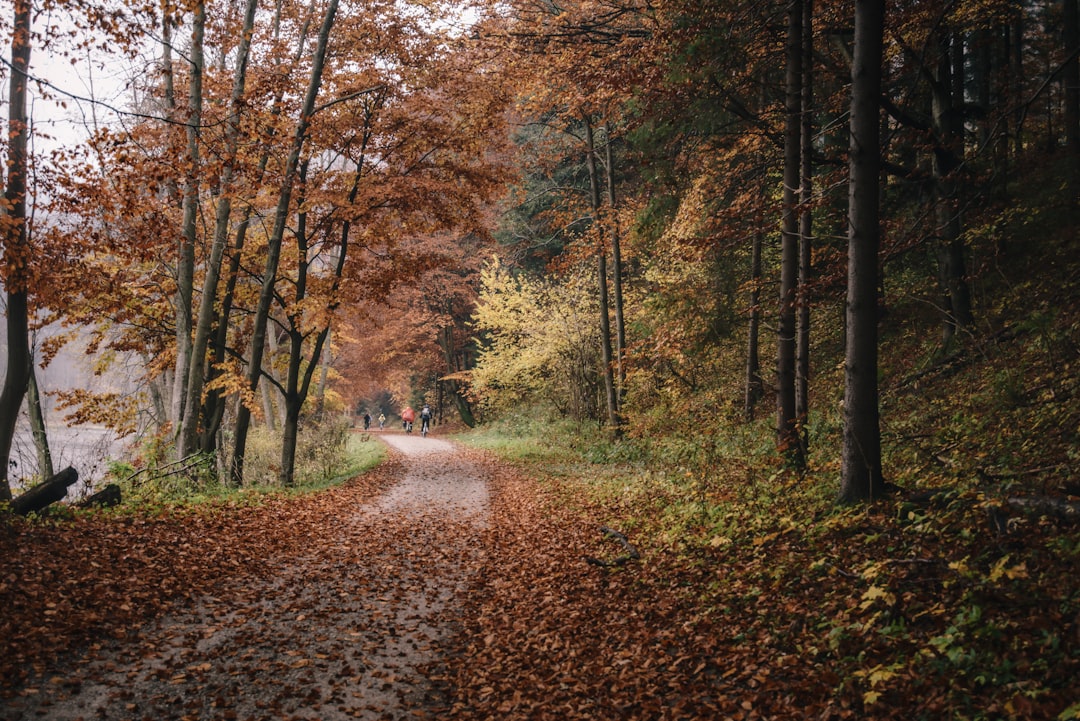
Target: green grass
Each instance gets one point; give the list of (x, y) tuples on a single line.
[(327, 455)]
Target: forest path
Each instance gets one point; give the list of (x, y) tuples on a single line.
[(350, 626)]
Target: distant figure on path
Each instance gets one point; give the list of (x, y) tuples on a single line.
[(382, 420), (425, 419), (367, 420)]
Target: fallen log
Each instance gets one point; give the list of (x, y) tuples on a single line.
[(105, 498), (46, 493)]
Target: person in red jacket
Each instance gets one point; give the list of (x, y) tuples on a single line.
[(407, 417)]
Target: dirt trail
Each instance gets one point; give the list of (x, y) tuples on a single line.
[(352, 628)]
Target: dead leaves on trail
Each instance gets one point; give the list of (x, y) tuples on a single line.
[(552, 637), (361, 603), (787, 621), (67, 583)]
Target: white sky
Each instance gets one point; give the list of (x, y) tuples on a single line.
[(75, 84)]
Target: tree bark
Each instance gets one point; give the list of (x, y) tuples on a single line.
[(602, 279), (806, 219), (948, 156), (787, 440), (185, 269), (37, 424), (616, 271), (861, 477), (16, 241)]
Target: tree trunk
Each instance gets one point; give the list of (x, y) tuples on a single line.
[(861, 476), (297, 388), (185, 269), (197, 372), (601, 272), (15, 241), (46, 493), (37, 424), (806, 218), (215, 404), (616, 271), (273, 251), (947, 98), (755, 386), (787, 440), (320, 389)]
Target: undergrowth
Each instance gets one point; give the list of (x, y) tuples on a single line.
[(327, 454), (949, 599)]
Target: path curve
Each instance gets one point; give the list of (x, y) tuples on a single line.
[(353, 629)]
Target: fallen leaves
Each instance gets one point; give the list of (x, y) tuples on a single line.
[(323, 607)]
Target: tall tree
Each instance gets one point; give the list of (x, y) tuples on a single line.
[(206, 317), (806, 227), (787, 434), (15, 237), (948, 116), (189, 231), (861, 475), (273, 251), (610, 393), (616, 265)]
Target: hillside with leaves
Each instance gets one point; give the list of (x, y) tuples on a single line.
[(956, 596), (749, 595)]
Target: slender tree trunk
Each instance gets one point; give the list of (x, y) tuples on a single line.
[(273, 251), (37, 425), (755, 386), (601, 271), (185, 270), (197, 372), (270, 412), (947, 96), (297, 384), (290, 426), (616, 270), (324, 378), (861, 476), (806, 218), (215, 403), (15, 241), (787, 439)]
